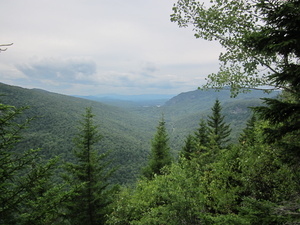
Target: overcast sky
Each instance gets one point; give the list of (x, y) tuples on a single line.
[(90, 47)]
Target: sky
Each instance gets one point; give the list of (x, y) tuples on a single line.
[(96, 47)]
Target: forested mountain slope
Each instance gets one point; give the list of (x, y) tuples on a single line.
[(56, 122), (200, 100), (126, 131), (184, 111)]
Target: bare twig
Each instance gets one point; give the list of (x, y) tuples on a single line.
[(4, 45)]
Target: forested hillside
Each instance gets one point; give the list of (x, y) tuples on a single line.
[(56, 122), (126, 131), (184, 111)]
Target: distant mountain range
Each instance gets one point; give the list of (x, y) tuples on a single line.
[(134, 98), (127, 123), (138, 100), (192, 97)]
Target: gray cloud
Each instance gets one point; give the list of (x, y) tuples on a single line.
[(148, 67), (71, 70), (85, 76)]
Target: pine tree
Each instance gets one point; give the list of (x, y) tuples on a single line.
[(89, 177), (160, 152), (201, 134), (218, 129)]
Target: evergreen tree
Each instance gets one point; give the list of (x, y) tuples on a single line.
[(46, 196), (160, 152), (218, 129), (27, 192), (197, 142), (248, 134), (279, 38), (201, 135), (189, 149), (89, 177)]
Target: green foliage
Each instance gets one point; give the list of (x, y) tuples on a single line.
[(265, 34), (218, 129), (56, 116), (231, 23), (250, 182), (189, 149), (160, 152), (201, 135), (284, 129), (255, 34), (55, 124), (261, 212), (244, 184), (227, 22), (28, 193), (170, 198), (46, 198), (248, 134), (279, 38), (89, 177), (210, 136)]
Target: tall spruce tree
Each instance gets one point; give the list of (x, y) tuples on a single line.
[(219, 131), (160, 152), (89, 177)]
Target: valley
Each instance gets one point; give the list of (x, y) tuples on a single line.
[(127, 126)]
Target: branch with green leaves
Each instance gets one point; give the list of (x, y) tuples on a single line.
[(233, 23)]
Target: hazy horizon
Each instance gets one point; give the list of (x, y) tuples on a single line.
[(98, 47)]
